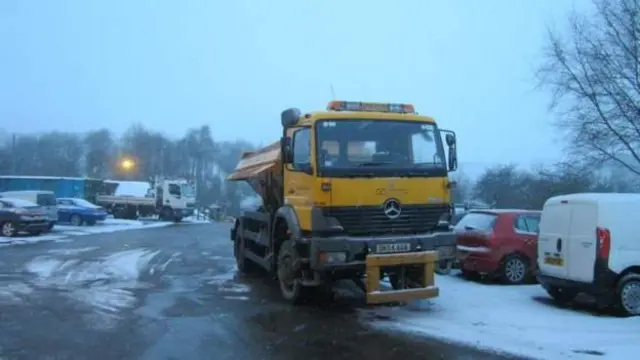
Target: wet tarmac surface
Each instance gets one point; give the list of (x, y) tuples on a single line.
[(173, 293)]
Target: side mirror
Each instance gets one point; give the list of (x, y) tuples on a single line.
[(286, 150), (290, 117), (450, 139), (453, 158)]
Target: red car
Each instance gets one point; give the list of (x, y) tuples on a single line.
[(500, 243)]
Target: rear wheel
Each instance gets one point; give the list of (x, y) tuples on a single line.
[(514, 269), (629, 295), (561, 295), (244, 265), (8, 229), (76, 220), (289, 276)]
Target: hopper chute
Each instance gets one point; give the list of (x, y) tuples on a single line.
[(255, 166)]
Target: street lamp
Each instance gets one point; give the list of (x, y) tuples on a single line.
[(127, 164)]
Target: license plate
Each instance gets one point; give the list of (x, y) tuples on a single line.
[(555, 261), (391, 248)]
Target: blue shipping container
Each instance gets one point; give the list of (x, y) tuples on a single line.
[(61, 186)]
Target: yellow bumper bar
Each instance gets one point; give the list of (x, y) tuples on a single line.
[(428, 290)]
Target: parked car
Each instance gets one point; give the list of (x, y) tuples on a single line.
[(589, 243), (79, 211), (46, 199), (17, 215), (498, 242)]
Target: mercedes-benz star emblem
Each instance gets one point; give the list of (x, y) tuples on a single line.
[(391, 208)]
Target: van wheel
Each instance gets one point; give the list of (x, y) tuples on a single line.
[(629, 295), (288, 275), (8, 229), (514, 269), (562, 296)]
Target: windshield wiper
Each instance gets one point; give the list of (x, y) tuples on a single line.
[(374, 163)]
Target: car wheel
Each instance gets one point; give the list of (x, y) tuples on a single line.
[(514, 270), (629, 295), (561, 295), (8, 229), (76, 220)]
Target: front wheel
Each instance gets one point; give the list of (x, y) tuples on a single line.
[(561, 295), (289, 275), (8, 229), (629, 295), (76, 220)]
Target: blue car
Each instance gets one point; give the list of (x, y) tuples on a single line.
[(79, 211)]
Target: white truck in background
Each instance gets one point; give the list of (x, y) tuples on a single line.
[(169, 198)]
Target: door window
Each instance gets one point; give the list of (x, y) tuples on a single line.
[(302, 149), (527, 223)]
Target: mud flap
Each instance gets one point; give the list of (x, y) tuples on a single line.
[(428, 260)]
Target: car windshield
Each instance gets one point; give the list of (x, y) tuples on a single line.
[(84, 203), (399, 148)]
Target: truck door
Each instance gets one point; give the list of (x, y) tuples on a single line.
[(298, 176)]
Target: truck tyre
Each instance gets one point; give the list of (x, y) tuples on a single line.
[(628, 292), (290, 286), (244, 265), (166, 214)]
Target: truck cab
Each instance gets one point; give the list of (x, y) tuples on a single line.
[(177, 196), (355, 192)]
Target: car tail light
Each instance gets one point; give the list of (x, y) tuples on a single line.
[(604, 242)]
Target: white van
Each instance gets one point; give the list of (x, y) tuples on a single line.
[(46, 199), (590, 243)]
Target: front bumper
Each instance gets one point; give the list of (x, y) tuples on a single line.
[(360, 255), (357, 249), (32, 226)]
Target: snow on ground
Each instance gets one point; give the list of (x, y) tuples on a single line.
[(109, 226), (61, 233), (520, 320)]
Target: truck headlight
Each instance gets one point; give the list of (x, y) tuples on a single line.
[(332, 257)]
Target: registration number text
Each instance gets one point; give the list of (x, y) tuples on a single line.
[(391, 248)]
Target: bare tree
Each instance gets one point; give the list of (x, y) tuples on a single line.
[(594, 74)]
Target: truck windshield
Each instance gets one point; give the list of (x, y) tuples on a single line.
[(187, 190), (379, 148)]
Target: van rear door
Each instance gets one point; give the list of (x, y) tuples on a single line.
[(582, 240), (553, 255)]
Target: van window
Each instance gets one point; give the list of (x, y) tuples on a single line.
[(477, 221), (528, 223), (46, 200)]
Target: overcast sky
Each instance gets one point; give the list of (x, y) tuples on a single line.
[(77, 65)]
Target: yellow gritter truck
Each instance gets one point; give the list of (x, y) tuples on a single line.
[(357, 192)]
